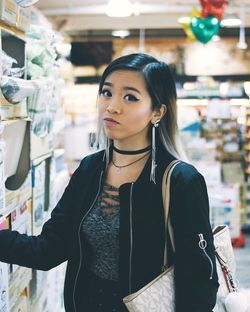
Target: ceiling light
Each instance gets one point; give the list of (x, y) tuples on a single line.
[(119, 8), (184, 20), (230, 21), (120, 33)]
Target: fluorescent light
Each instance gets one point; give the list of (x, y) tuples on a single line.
[(184, 20), (119, 8), (120, 33), (230, 22)]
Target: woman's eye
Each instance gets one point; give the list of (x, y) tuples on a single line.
[(130, 97), (106, 93)]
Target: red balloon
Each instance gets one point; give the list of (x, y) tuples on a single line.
[(213, 7)]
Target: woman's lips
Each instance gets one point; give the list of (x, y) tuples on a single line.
[(110, 122)]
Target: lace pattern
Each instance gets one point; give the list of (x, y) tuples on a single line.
[(101, 229)]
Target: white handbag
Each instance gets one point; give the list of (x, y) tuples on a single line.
[(159, 296)]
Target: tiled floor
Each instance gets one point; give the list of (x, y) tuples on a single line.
[(243, 268)]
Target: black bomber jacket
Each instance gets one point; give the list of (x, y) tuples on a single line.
[(142, 234)]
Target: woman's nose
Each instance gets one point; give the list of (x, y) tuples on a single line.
[(114, 107)]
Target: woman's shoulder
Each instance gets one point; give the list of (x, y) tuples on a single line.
[(95, 156), (91, 161), (185, 172)]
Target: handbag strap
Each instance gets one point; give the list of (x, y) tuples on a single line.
[(166, 201)]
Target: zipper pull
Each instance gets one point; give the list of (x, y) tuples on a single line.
[(203, 245)]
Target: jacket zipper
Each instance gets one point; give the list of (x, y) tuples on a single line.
[(79, 240), (131, 237), (203, 245)]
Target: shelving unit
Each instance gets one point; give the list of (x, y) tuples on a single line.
[(28, 178)]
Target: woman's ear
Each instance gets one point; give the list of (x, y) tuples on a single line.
[(158, 114)]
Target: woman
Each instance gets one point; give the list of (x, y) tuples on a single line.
[(109, 223)]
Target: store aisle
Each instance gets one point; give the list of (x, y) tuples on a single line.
[(243, 264)]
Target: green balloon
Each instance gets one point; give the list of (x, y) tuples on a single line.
[(204, 28)]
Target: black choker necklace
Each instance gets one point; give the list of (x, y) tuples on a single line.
[(140, 151)]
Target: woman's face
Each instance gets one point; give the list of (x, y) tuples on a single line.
[(125, 108)]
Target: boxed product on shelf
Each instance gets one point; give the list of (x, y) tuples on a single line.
[(232, 172), (38, 197), (13, 100), (38, 289), (40, 146), (200, 150), (18, 282), (224, 200), (21, 222), (22, 304), (211, 170), (4, 271), (4, 287), (2, 179), (15, 198), (219, 108), (15, 135), (55, 282), (40, 193), (59, 176), (8, 11), (4, 223), (23, 18), (17, 163)]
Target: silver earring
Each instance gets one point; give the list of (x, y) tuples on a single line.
[(153, 161)]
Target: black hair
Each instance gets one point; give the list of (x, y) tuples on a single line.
[(161, 87)]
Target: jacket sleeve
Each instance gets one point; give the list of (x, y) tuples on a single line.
[(51, 247), (196, 280)]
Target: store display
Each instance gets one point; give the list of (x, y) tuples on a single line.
[(214, 124)]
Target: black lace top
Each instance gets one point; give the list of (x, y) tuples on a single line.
[(101, 229)]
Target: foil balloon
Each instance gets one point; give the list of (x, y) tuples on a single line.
[(213, 8), (185, 23), (204, 28), (25, 3)]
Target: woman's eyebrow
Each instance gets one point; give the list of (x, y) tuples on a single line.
[(132, 89), (127, 88)]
